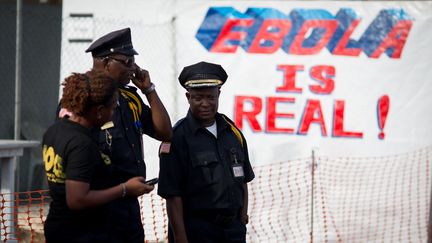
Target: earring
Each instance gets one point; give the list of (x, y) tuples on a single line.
[(99, 116)]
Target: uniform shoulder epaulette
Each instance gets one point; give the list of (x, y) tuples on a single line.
[(135, 104), (227, 119), (234, 129)]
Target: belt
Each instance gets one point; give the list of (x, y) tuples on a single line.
[(218, 217)]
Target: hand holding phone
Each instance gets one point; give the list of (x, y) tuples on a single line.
[(141, 78), (152, 181)]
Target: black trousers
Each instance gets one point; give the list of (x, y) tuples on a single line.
[(65, 232), (122, 225), (125, 224), (204, 230)]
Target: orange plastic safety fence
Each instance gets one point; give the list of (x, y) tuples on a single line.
[(343, 199), (280, 202), (22, 216), (316, 199), (154, 217)]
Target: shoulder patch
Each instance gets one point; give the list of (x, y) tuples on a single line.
[(165, 148)]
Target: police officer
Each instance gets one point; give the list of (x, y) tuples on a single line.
[(205, 168), (121, 139)]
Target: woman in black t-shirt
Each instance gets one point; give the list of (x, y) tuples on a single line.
[(77, 172)]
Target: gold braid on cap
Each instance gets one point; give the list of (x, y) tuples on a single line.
[(203, 83)]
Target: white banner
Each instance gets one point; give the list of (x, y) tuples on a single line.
[(341, 78)]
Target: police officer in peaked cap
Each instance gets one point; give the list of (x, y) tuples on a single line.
[(205, 168), (121, 140)]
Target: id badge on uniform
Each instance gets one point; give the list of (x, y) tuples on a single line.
[(238, 170)]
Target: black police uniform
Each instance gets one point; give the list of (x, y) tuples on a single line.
[(122, 141), (70, 153), (199, 168), (208, 173)]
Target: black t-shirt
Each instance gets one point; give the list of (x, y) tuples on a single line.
[(198, 167), (70, 153), (122, 141)]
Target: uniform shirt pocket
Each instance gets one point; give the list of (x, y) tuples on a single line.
[(206, 168), (106, 138)]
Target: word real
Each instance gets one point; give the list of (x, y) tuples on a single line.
[(248, 109), (303, 32)]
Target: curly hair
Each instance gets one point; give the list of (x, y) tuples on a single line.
[(83, 91)]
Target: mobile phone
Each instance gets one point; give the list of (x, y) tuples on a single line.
[(152, 181)]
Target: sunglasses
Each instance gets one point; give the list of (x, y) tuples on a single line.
[(127, 62)]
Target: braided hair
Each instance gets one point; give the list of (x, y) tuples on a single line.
[(83, 91)]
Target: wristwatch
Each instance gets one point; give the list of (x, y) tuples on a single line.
[(149, 89)]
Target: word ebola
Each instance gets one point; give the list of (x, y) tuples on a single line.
[(303, 32)]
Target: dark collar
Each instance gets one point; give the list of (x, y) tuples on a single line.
[(196, 125), (129, 88)]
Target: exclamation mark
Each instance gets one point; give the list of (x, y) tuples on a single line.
[(383, 109)]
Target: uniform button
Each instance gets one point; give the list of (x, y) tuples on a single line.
[(138, 161), (127, 128), (133, 145)]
